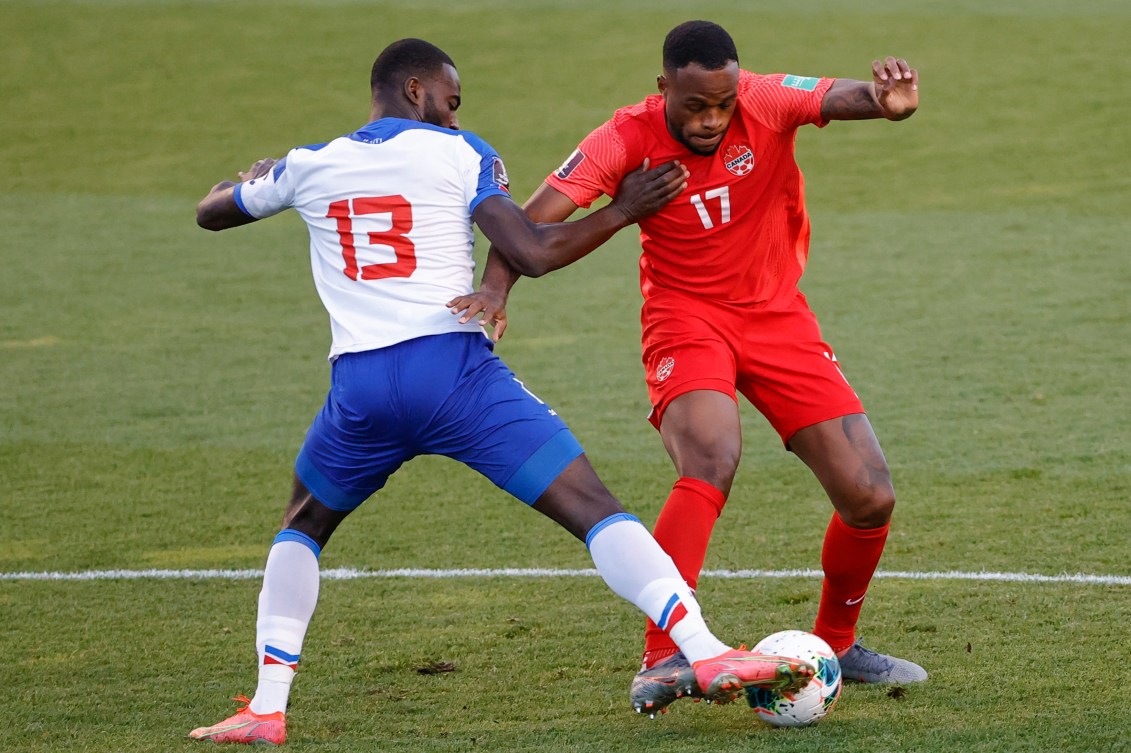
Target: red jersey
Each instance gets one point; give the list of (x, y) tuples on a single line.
[(739, 232)]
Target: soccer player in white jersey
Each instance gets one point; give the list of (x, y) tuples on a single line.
[(390, 209)]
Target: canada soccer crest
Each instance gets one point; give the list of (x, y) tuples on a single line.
[(739, 160), (665, 368)]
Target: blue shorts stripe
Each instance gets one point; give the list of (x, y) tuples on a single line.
[(323, 489), (290, 534), (608, 522), (662, 623), (541, 469)]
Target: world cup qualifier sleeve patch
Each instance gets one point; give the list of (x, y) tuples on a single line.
[(570, 164), (804, 83)]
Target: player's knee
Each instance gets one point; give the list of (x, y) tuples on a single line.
[(307, 515), (872, 507), (714, 463)]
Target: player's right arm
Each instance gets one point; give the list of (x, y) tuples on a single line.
[(220, 209), (533, 249), (489, 302), (596, 167), (545, 205)]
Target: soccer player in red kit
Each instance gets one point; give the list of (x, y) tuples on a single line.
[(723, 315)]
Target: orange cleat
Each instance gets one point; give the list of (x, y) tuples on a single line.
[(246, 727), (722, 678)]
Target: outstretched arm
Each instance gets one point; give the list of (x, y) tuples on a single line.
[(893, 93), (218, 210)]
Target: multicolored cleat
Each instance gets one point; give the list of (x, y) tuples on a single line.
[(723, 677), (246, 727), (657, 687)]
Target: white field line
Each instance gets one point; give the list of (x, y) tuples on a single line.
[(348, 573)]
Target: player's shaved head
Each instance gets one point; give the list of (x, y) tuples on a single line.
[(701, 42), (417, 80), (407, 58)]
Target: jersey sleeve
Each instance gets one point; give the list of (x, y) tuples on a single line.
[(784, 102), (267, 195), (485, 174), (596, 167)]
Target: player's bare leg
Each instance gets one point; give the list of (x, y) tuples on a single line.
[(306, 514), (702, 433), (846, 458)]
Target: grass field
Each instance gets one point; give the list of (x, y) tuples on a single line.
[(970, 265)]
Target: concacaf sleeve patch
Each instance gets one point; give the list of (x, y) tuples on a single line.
[(805, 83)]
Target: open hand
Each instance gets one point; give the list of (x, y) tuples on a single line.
[(259, 169), (645, 191), (490, 307), (897, 87)]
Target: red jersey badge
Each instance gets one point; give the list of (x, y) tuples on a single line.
[(739, 160)]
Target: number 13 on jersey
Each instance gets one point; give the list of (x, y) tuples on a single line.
[(699, 201), (396, 237)]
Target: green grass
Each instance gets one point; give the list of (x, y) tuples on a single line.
[(969, 265)]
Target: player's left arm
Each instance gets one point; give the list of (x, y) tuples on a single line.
[(893, 93), (489, 302), (218, 210)]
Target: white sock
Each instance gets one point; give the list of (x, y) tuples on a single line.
[(286, 604), (638, 570)]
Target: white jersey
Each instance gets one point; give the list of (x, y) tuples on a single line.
[(389, 213)]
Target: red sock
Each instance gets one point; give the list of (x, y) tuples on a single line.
[(849, 558), (683, 530)]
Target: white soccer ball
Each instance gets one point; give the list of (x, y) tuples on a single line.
[(810, 704)]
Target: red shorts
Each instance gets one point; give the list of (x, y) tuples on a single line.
[(774, 357)]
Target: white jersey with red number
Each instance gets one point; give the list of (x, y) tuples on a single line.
[(389, 212)]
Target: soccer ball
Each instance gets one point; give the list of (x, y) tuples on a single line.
[(811, 703)]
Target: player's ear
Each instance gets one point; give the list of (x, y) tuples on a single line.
[(662, 84), (413, 90)]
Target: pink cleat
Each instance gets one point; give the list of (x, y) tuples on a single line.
[(722, 678), (246, 727)]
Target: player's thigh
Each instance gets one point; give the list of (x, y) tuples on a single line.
[(358, 439), (845, 456), (684, 350), (702, 433), (790, 374), (492, 422)]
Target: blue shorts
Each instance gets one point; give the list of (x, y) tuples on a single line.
[(437, 395)]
